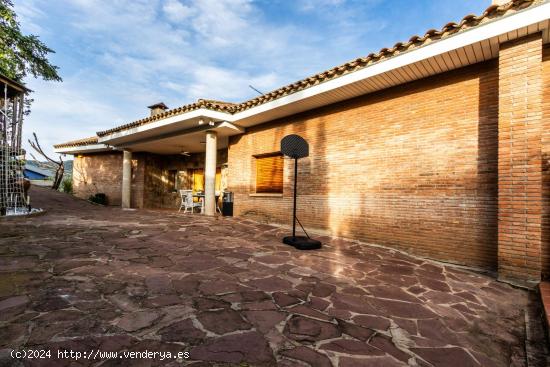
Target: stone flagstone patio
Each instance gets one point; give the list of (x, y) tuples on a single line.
[(85, 278)]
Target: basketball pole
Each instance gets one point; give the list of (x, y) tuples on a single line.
[(295, 147)]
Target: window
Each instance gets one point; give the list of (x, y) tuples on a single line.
[(269, 174), (197, 179)]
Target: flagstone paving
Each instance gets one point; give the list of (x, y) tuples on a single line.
[(85, 278)]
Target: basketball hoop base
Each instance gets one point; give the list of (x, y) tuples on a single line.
[(302, 242)]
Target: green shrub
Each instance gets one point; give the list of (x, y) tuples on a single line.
[(67, 185), (98, 198)]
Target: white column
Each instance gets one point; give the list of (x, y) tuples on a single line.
[(210, 173), (126, 178)]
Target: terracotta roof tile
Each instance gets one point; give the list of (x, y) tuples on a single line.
[(468, 22), (201, 103), (78, 143), (219, 103)]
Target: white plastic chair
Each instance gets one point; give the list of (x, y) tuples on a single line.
[(218, 197), (187, 201)]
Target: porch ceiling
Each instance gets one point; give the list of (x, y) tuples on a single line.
[(192, 143), (177, 137)]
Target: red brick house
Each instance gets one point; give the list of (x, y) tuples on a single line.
[(438, 146)]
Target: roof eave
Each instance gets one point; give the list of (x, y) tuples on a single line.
[(13, 84), (88, 148), (189, 117)]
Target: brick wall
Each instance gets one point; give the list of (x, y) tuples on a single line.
[(414, 167), (98, 173), (520, 163), (102, 173)]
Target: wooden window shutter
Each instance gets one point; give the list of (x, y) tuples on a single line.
[(269, 174)]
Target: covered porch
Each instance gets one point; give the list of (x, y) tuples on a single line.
[(190, 154), (156, 161)]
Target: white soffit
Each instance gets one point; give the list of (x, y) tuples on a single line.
[(192, 143), (186, 120)]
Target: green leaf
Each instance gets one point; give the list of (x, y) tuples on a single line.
[(22, 55)]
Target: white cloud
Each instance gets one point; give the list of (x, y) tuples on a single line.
[(175, 11), (224, 84), (29, 13), (66, 111), (127, 57), (223, 22), (119, 56), (308, 5)]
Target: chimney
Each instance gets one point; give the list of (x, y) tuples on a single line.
[(501, 2), (157, 108)]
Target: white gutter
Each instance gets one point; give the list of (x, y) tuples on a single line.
[(199, 113), (90, 148)]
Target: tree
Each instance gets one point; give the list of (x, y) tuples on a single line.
[(21, 55), (59, 171)]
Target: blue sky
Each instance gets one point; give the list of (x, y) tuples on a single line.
[(118, 56)]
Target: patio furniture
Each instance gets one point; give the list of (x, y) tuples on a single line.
[(187, 202), (200, 196), (218, 194)]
